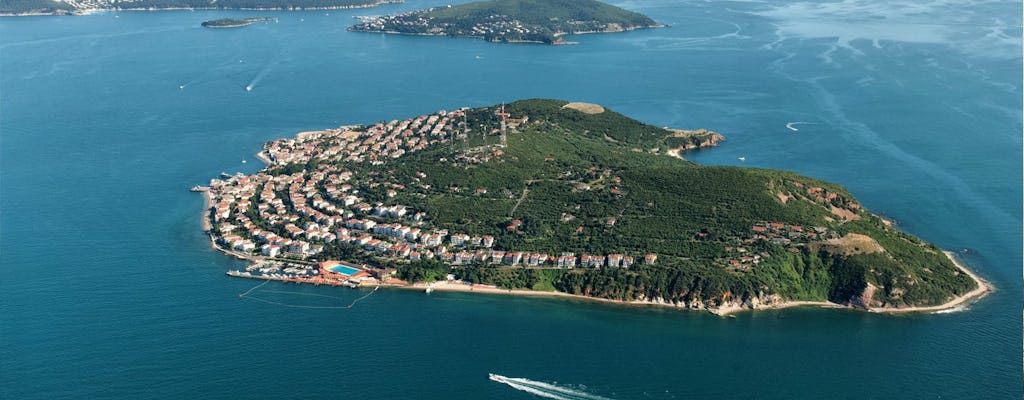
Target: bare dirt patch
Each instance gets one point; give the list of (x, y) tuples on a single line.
[(853, 243), (586, 108), (844, 214)]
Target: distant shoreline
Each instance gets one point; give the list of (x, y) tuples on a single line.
[(88, 11)]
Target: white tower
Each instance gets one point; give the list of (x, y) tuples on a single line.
[(504, 118)]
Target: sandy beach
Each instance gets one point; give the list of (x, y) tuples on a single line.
[(488, 289)]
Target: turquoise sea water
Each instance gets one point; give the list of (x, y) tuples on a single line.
[(110, 290)]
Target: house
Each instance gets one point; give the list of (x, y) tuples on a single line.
[(513, 258), (270, 250), (299, 246), (244, 245), (459, 239)]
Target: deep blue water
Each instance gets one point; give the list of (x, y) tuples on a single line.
[(109, 289)]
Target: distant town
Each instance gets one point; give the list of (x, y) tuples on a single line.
[(83, 7)]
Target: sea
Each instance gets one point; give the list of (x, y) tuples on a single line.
[(109, 288)]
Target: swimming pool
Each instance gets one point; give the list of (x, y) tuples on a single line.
[(341, 269)]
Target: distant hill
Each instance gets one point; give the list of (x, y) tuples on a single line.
[(24, 7), (541, 21)]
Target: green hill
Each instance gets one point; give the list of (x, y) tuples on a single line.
[(512, 20)]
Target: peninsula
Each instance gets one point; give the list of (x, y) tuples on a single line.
[(75, 7), (527, 21), (546, 197), (234, 22)]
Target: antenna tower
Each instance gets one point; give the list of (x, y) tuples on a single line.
[(504, 119)]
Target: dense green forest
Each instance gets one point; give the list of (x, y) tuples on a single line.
[(52, 6), (565, 175)]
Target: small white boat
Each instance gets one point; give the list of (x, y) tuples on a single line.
[(430, 289), (742, 159)]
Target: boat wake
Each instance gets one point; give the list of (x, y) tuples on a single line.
[(209, 74), (792, 125), (248, 294), (544, 389), (259, 77)]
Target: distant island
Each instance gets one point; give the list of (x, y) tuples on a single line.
[(547, 197), (61, 7), (524, 21), (234, 22)]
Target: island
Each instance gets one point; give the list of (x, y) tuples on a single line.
[(556, 198), (521, 21), (234, 22), (65, 7)]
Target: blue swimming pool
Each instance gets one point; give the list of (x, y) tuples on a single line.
[(341, 269)]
